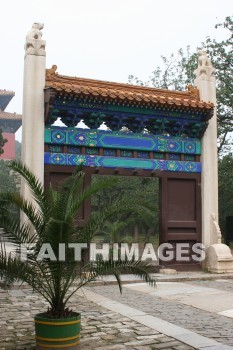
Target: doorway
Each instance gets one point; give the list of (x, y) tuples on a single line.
[(139, 225)]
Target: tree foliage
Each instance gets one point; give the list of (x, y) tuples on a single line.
[(18, 150), (225, 168), (178, 71), (9, 181), (132, 223), (2, 142), (221, 54)]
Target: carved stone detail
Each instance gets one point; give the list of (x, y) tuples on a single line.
[(219, 258), (205, 66), (216, 229), (193, 92), (51, 72), (34, 44)]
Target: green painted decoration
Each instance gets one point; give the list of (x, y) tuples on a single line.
[(121, 162), (121, 140)]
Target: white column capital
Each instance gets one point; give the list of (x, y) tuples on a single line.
[(205, 69), (34, 44)]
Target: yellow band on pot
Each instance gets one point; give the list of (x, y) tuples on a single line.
[(57, 323), (58, 339), (58, 346)]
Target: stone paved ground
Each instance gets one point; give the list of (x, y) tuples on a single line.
[(205, 323), (101, 328), (221, 284)]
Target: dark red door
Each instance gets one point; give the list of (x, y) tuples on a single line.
[(180, 212)]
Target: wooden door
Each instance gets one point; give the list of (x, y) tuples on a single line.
[(180, 211)]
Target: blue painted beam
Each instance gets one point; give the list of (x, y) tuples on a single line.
[(121, 140), (121, 162)]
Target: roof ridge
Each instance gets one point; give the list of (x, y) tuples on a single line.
[(7, 92), (52, 75), (9, 115), (123, 91)]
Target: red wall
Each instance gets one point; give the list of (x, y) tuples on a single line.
[(9, 147)]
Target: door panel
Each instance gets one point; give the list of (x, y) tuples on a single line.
[(180, 216), (56, 175)]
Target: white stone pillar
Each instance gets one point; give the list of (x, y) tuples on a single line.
[(33, 104), (206, 83)]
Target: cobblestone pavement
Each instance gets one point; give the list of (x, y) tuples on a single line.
[(205, 323), (101, 328), (225, 285)]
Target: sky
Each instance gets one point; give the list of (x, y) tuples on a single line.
[(103, 39)]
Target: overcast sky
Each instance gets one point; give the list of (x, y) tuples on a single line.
[(103, 39)]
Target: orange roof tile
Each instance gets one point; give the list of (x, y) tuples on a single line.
[(10, 116), (144, 96), (7, 92)]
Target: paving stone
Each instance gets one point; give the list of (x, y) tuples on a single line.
[(182, 347), (165, 339), (146, 332), (87, 331), (140, 342), (108, 337), (155, 336), (88, 339), (114, 347), (167, 345), (126, 331)]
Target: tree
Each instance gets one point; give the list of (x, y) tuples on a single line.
[(138, 190), (178, 72), (18, 149), (221, 54), (8, 179), (112, 231), (2, 142), (225, 168)]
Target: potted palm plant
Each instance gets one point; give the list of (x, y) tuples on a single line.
[(51, 222)]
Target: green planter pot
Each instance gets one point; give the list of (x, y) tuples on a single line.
[(57, 333)]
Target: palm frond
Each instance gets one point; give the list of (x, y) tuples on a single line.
[(16, 232), (77, 198), (97, 219), (12, 269), (34, 184), (136, 267), (68, 194), (101, 268), (27, 208), (53, 218)]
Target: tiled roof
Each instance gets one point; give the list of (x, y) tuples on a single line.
[(10, 116), (5, 97), (143, 96), (7, 93)]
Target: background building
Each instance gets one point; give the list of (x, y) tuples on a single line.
[(9, 124)]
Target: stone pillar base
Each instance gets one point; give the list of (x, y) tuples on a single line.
[(219, 259)]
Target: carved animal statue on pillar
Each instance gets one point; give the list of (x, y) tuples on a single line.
[(34, 43), (204, 64), (203, 59)]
